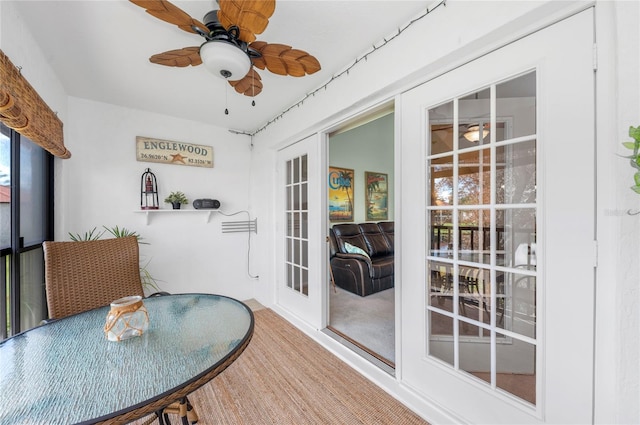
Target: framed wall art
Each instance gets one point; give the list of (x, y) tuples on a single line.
[(340, 194), (377, 196)]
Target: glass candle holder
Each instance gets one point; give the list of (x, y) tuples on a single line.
[(127, 318)]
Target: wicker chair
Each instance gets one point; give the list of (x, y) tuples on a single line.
[(81, 276)]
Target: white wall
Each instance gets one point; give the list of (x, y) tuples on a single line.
[(368, 147), (617, 350), (100, 185)]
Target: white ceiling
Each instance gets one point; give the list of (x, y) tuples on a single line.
[(100, 51)]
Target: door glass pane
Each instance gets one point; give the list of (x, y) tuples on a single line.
[(440, 285), (5, 188), (516, 369), (475, 354), (304, 225), (303, 197), (33, 192), (474, 177), (296, 251), (5, 316), (516, 173), (518, 310), (441, 225), (303, 168), (441, 173), (516, 231), (500, 131), (474, 235), (32, 294), (481, 224), (296, 197), (517, 98), (475, 294), (304, 255), (289, 224), (474, 111), (296, 170), (441, 347), (296, 279), (442, 131)]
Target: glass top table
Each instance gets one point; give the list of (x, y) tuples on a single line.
[(67, 372)]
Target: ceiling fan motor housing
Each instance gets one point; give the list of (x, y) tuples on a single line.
[(225, 59), (211, 21), (224, 54)]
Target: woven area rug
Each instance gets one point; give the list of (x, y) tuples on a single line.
[(284, 377)]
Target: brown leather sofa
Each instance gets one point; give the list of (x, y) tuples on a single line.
[(356, 272)]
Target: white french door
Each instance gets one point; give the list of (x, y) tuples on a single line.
[(298, 288), (497, 242)]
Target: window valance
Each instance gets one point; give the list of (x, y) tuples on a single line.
[(22, 109)]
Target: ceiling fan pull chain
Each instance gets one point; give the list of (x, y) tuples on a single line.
[(226, 100), (253, 88)]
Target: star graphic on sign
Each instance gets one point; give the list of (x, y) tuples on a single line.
[(178, 158)]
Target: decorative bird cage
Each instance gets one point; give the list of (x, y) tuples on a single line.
[(149, 191)]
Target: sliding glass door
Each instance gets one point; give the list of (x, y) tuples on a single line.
[(26, 220)]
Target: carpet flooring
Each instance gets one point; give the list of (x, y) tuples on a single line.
[(369, 320), (284, 377)]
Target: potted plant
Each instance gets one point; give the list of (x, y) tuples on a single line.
[(176, 199)]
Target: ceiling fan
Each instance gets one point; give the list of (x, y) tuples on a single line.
[(471, 132), (230, 50)]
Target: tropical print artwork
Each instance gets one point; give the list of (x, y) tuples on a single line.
[(340, 194), (377, 196)]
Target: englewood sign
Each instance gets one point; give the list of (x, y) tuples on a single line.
[(170, 152)]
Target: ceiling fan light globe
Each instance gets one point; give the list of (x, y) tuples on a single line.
[(473, 133), (225, 60)]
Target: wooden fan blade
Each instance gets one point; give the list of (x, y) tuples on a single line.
[(251, 16), (180, 57), (284, 60), (250, 85), (167, 12)]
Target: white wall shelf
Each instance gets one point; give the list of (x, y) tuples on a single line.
[(148, 213)]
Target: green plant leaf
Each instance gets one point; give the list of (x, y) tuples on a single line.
[(636, 177), (176, 197), (636, 189), (91, 235), (117, 232), (629, 145), (634, 132)]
